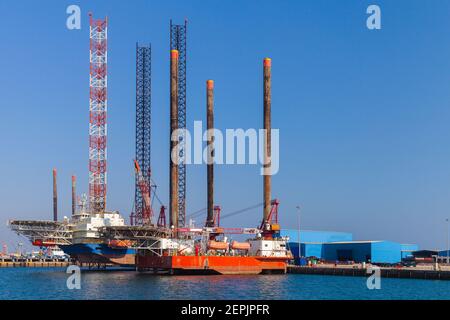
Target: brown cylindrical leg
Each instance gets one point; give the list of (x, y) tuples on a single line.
[(55, 197), (173, 205), (210, 151), (74, 195), (267, 141)]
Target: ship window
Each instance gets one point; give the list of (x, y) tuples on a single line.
[(266, 245)]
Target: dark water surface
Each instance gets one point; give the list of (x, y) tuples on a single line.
[(50, 283)]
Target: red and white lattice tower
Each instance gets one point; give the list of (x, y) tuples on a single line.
[(98, 32)]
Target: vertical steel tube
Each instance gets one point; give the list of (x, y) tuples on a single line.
[(173, 205), (74, 194), (210, 151), (267, 64), (55, 197)]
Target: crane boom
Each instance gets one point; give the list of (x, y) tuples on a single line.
[(220, 230)]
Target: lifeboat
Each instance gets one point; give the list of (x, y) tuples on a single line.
[(240, 245), (120, 243), (217, 245), (42, 243), (37, 242)]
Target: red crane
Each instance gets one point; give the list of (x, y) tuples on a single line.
[(145, 191), (162, 217)]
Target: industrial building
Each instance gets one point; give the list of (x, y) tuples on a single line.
[(310, 236), (340, 246), (407, 250)]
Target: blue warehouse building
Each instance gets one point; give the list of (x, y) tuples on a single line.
[(340, 246), (444, 253), (309, 236), (312, 241), (407, 250), (363, 251)]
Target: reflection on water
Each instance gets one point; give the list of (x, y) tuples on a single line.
[(48, 283)]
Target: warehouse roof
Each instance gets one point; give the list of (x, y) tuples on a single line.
[(354, 242)]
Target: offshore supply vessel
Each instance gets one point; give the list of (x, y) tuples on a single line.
[(207, 250)]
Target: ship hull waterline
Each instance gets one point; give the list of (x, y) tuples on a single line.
[(225, 265), (101, 254)]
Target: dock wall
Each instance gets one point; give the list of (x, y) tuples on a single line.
[(33, 264), (385, 272)]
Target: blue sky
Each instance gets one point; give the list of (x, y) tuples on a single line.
[(364, 116)]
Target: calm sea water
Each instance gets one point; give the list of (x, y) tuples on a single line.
[(50, 283)]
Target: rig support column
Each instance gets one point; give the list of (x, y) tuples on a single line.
[(267, 138), (143, 131), (178, 36), (55, 197), (173, 209), (210, 151), (74, 194), (98, 83)]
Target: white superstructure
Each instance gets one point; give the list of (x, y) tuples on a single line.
[(268, 248), (86, 226)]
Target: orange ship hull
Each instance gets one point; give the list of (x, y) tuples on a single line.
[(211, 264)]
